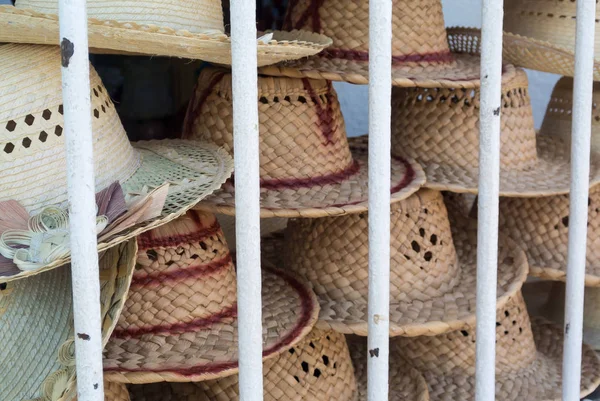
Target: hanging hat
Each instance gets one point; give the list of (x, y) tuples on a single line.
[(307, 168), (440, 128), (422, 52), (432, 271), (34, 174), (36, 326), (528, 359), (189, 29), (180, 319), (541, 35)]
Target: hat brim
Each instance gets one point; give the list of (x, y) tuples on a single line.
[(113, 37), (349, 195), (289, 312)]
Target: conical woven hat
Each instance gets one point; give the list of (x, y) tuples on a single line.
[(432, 272), (36, 326), (190, 29), (180, 319), (33, 158), (440, 128), (528, 359), (421, 54), (307, 167)]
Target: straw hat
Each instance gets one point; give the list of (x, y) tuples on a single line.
[(422, 52), (32, 153), (190, 29), (114, 392), (180, 319), (432, 278), (36, 326), (528, 359), (440, 128), (540, 35), (307, 168)]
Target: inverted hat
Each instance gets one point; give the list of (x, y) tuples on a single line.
[(33, 163), (432, 271), (528, 359), (190, 29), (440, 129), (422, 54), (36, 326), (180, 319), (307, 168)]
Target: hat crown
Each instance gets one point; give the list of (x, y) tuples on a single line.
[(189, 15), (32, 153)]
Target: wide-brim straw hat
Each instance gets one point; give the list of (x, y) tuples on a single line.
[(432, 272), (440, 129), (36, 326), (33, 157), (189, 29), (180, 320), (528, 359), (307, 167), (423, 53)]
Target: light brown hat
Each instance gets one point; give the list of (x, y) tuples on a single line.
[(422, 52), (114, 392), (307, 167), (180, 319), (190, 29), (440, 129), (432, 276), (528, 359)]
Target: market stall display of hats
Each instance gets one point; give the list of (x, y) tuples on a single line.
[(179, 322), (189, 29), (307, 166)]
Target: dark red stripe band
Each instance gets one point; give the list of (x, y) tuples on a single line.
[(294, 183), (147, 240)]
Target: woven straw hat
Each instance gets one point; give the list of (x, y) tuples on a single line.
[(440, 128), (32, 153), (114, 392), (36, 326), (307, 168), (422, 52), (432, 276), (180, 319), (190, 29)]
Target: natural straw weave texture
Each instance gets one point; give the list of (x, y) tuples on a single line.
[(432, 276), (190, 29), (115, 392), (32, 155), (180, 319), (528, 359), (307, 168), (422, 55), (440, 128)]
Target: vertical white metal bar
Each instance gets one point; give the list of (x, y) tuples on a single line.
[(489, 176), (580, 170), (380, 92), (247, 193), (82, 203)]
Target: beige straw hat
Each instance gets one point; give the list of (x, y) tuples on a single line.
[(528, 359), (440, 128), (36, 326), (33, 164), (189, 29), (180, 319), (432, 276), (307, 168), (422, 52)]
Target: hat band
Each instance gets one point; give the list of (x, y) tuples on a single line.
[(444, 57), (296, 183)]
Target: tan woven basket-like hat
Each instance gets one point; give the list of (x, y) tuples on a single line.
[(432, 276), (33, 159), (422, 53), (307, 168), (528, 359), (180, 319), (440, 128), (190, 29)]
